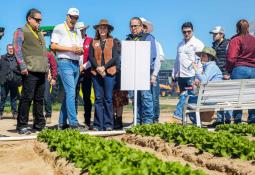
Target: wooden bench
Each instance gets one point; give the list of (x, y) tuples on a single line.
[(222, 95)]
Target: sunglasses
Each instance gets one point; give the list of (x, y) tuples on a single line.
[(187, 31), (134, 26), (38, 20), (73, 17)]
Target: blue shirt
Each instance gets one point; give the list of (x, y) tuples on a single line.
[(211, 72)]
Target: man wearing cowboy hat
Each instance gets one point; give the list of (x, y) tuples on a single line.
[(85, 79), (148, 28), (67, 42), (145, 109)]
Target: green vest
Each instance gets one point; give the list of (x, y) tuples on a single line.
[(34, 53)]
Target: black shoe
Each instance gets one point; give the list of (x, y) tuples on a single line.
[(63, 127), (216, 123), (24, 131), (118, 122)]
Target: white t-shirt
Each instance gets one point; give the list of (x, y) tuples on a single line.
[(63, 36)]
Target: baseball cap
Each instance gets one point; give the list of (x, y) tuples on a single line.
[(148, 24), (217, 29), (73, 12), (81, 25)]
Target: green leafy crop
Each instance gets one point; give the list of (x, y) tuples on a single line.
[(222, 143), (108, 157)]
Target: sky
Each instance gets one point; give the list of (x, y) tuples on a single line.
[(167, 16)]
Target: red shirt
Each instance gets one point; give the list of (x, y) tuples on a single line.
[(53, 65), (241, 52), (86, 44)]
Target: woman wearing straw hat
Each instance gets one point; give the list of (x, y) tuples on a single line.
[(103, 55), (211, 72)]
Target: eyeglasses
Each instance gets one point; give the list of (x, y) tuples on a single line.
[(73, 17), (134, 26), (187, 31), (38, 20)]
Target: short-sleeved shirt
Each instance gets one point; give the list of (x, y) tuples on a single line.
[(63, 36)]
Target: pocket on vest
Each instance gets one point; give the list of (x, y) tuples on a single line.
[(37, 64)]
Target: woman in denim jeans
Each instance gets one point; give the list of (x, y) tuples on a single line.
[(211, 72), (241, 61), (103, 55)]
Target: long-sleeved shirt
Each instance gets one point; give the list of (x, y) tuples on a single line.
[(159, 58), (211, 72), (110, 63), (52, 65), (17, 43), (241, 52), (186, 54)]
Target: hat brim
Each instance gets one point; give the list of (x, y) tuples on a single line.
[(200, 53), (85, 27), (110, 27)]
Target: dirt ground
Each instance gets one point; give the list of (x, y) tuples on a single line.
[(19, 158)]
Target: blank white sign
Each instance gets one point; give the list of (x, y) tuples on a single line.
[(135, 65)]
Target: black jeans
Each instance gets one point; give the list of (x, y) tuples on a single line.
[(33, 90), (48, 98), (86, 83), (7, 87)]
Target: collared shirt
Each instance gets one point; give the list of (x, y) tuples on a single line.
[(211, 72), (186, 54), (63, 36)]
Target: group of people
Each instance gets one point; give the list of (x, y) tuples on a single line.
[(83, 61), (80, 61), (226, 59)]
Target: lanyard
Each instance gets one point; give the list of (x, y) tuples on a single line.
[(33, 32), (69, 34)]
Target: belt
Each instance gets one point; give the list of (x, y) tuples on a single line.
[(68, 60)]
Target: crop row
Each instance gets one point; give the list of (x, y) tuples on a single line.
[(109, 157), (221, 143), (242, 129)]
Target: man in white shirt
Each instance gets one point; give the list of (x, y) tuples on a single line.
[(68, 44), (183, 71), (148, 28)]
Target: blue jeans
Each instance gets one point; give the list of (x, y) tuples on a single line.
[(243, 72), (69, 73), (145, 109), (155, 95), (103, 88), (178, 112)]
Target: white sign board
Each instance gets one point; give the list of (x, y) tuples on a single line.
[(135, 65)]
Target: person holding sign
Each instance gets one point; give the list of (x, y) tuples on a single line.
[(103, 55), (145, 112)]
